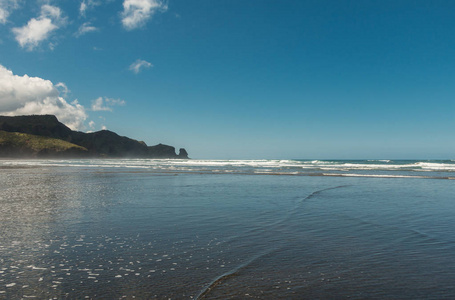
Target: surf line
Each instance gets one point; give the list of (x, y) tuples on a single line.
[(218, 280)]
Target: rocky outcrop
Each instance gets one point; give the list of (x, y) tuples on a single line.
[(102, 143), (183, 154)]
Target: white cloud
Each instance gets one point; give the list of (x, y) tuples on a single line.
[(137, 12), (49, 11), (37, 30), (85, 28), (106, 104), (98, 105), (138, 65), (6, 7), (3, 15), (83, 8), (24, 95), (112, 102), (86, 5), (34, 32), (62, 88)]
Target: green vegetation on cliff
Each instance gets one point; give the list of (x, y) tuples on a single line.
[(15, 144)]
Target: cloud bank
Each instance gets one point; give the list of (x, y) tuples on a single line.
[(136, 13), (37, 30), (24, 95)]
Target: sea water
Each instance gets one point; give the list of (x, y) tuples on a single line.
[(187, 229)]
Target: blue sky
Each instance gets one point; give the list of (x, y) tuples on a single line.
[(240, 79)]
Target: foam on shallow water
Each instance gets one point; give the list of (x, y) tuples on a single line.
[(366, 168)]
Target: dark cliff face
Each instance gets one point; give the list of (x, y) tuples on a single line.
[(162, 151), (109, 144), (103, 143), (43, 125)]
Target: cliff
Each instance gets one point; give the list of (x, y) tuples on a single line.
[(50, 132)]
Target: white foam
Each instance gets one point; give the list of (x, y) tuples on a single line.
[(240, 166), (436, 166), (377, 175), (381, 160)]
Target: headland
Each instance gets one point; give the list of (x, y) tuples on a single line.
[(43, 136)]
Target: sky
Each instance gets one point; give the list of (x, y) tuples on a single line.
[(231, 79)]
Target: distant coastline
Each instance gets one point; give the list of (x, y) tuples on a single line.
[(43, 136)]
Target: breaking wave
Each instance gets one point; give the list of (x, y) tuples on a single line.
[(383, 168)]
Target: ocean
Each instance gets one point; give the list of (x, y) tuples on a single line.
[(227, 229)]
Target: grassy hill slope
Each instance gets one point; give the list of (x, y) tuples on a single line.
[(15, 144)]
